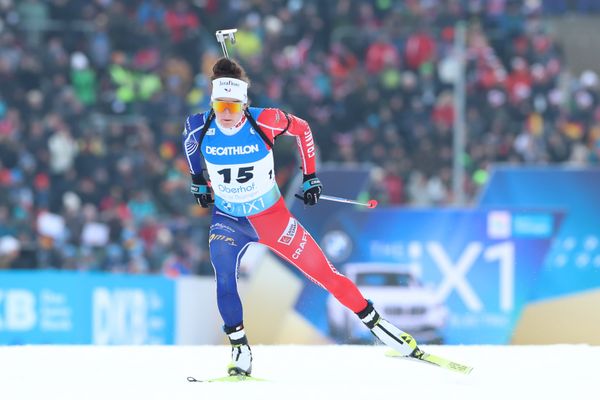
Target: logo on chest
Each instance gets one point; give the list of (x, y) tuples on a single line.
[(232, 150)]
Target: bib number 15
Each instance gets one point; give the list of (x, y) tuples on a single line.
[(244, 174)]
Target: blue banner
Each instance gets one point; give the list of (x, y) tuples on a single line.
[(573, 264), (52, 307), (449, 276)]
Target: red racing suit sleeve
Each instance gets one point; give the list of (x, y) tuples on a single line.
[(274, 122)]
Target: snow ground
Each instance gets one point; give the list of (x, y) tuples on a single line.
[(297, 372)]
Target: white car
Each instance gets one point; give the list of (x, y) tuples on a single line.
[(398, 295)]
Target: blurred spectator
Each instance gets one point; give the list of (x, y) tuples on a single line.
[(34, 15)]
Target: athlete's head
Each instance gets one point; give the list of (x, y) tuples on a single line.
[(229, 92)]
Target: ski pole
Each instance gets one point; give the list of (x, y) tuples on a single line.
[(369, 204)]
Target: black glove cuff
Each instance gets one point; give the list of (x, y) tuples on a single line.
[(309, 176)]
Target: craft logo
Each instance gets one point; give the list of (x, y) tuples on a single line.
[(289, 232), (300, 249)]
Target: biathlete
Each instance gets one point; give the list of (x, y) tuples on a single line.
[(235, 143)]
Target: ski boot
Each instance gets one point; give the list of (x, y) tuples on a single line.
[(241, 354), (391, 336)]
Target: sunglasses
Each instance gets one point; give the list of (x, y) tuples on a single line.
[(221, 106)]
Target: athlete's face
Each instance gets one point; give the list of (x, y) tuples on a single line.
[(228, 111)]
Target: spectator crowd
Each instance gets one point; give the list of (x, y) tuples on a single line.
[(93, 95)]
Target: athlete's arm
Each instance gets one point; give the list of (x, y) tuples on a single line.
[(191, 147), (275, 122)]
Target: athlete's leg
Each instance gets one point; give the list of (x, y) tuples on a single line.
[(279, 230), (228, 239)]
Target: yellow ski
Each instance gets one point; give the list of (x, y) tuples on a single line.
[(434, 360)]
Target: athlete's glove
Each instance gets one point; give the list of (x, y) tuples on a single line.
[(312, 188), (201, 191)]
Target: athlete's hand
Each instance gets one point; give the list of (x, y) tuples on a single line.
[(312, 188), (202, 195)]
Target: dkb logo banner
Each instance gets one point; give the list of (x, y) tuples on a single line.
[(46, 307)]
